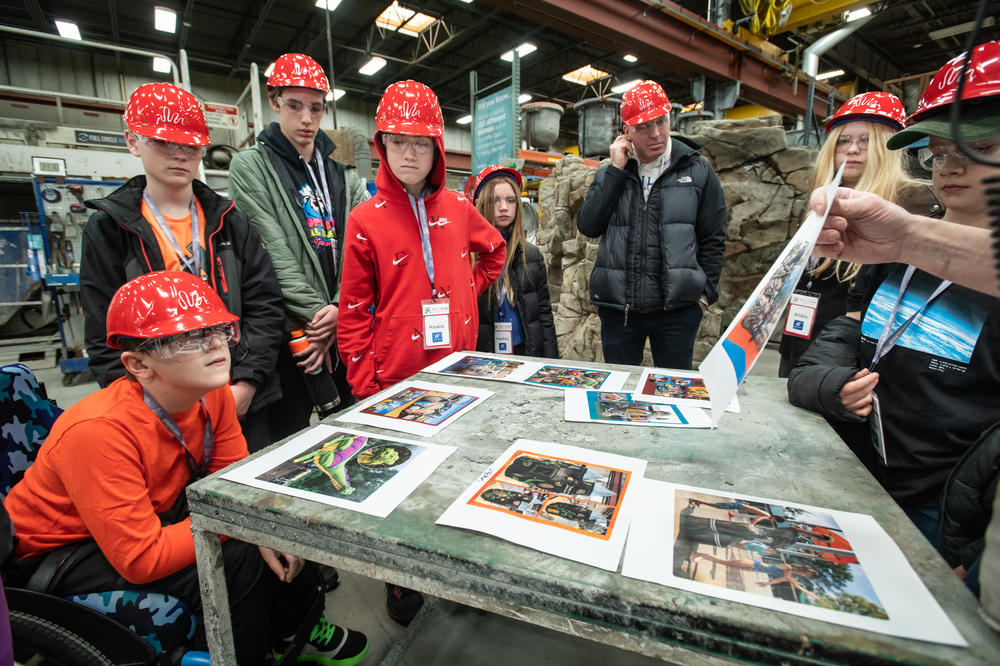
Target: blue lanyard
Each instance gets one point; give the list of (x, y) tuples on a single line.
[(197, 470), (889, 338), (425, 238), (193, 264)]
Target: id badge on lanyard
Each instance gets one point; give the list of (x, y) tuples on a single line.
[(503, 337), (801, 314), (436, 323), (875, 424)]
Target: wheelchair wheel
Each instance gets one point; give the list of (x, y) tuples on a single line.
[(43, 643)]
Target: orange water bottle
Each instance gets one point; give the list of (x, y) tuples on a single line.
[(319, 383)]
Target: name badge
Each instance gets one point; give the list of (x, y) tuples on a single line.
[(801, 314), (503, 337), (437, 330), (875, 423)]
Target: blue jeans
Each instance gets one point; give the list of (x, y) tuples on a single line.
[(671, 336), (926, 520)]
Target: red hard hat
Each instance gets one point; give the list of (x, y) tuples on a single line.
[(873, 106), (981, 80), (409, 107), (163, 303), (643, 102), (297, 70), (493, 171), (163, 111)]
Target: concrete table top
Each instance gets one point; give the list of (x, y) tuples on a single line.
[(771, 449)]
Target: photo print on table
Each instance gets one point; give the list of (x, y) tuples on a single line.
[(566, 377), (416, 407), (482, 367)]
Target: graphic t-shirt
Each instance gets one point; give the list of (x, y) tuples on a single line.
[(181, 228), (939, 386)]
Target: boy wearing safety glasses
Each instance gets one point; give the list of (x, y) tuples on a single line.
[(166, 220), (297, 198), (104, 504)]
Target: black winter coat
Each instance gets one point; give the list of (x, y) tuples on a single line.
[(659, 253), (529, 282), (119, 245), (967, 500)]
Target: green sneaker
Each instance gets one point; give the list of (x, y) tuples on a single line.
[(330, 645)]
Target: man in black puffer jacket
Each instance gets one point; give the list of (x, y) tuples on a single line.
[(661, 216)]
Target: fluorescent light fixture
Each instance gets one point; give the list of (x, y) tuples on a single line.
[(164, 20), (858, 14), (959, 29), (161, 65), (270, 68), (464, 120), (468, 2), (523, 97), (628, 57), (829, 75), (584, 75), (335, 95), (68, 29), (622, 87), (522, 50), (372, 66), (328, 5)]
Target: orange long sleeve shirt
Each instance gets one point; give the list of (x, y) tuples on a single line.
[(107, 469)]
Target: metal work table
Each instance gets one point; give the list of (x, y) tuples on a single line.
[(771, 449)]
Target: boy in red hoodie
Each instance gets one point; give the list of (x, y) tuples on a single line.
[(409, 286)]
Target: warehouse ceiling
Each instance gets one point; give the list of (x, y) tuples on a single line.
[(224, 36)]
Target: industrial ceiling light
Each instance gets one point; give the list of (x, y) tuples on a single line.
[(372, 66), (584, 75), (628, 57), (522, 50), (161, 65), (858, 14), (335, 95), (328, 5), (68, 29), (164, 19), (623, 87), (959, 29), (404, 20), (829, 75), (523, 97), (464, 120)]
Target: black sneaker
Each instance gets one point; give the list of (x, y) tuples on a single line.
[(402, 604), (329, 577), (330, 645)]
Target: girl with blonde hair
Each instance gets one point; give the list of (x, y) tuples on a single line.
[(857, 135), (515, 313)]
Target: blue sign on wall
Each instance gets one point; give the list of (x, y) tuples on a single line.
[(493, 129)]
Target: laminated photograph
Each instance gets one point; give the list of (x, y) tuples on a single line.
[(563, 500), (677, 387), (351, 469), (504, 368), (631, 409), (817, 563), (418, 408)]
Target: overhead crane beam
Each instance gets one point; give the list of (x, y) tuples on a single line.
[(673, 39)]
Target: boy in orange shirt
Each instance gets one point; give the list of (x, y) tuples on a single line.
[(113, 470)]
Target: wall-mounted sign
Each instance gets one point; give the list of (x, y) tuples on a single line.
[(225, 116), (116, 139), (493, 130)]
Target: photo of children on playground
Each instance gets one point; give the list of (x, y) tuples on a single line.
[(553, 375), (662, 385), (778, 551), (346, 466), (483, 367), (420, 405), (620, 407), (568, 494)]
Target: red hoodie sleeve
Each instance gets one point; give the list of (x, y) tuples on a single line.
[(490, 249), (355, 337)]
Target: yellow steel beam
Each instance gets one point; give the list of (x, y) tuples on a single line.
[(805, 12)]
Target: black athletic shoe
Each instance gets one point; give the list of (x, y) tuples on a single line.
[(329, 577), (330, 645), (402, 604)]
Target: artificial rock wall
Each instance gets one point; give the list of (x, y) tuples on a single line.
[(765, 183)]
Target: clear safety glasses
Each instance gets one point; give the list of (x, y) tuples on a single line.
[(173, 148), (189, 342), (399, 144), (295, 106), (935, 161)]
